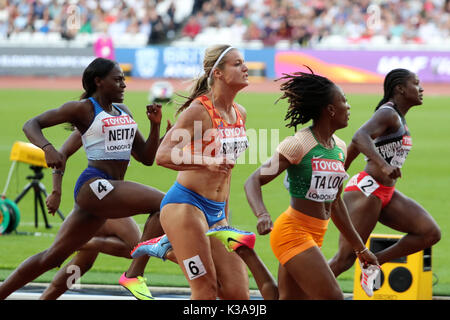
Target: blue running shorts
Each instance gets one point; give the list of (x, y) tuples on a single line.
[(89, 173), (214, 211)]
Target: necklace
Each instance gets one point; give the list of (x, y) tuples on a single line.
[(328, 144)]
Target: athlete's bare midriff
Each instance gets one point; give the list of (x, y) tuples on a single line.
[(114, 168), (213, 186)]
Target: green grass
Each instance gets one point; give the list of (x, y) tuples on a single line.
[(425, 179)]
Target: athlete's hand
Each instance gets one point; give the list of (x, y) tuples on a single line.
[(154, 113), (53, 158), (265, 224), (219, 164), (53, 201), (367, 257), (391, 171)]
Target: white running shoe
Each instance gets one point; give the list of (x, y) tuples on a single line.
[(369, 275)]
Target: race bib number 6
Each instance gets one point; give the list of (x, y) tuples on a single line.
[(101, 187), (194, 267)]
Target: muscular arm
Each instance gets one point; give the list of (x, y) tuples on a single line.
[(192, 125), (253, 189), (144, 150), (75, 112), (382, 122), (341, 219), (70, 146)]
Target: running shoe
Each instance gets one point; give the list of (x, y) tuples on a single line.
[(368, 276), (156, 247), (136, 286), (233, 238)]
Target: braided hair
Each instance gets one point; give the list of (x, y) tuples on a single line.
[(307, 94), (393, 78)]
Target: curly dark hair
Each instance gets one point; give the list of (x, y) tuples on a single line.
[(307, 94)]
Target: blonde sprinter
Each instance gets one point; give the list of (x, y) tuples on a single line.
[(199, 197)]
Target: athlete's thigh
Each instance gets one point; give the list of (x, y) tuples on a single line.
[(287, 286), (406, 215), (186, 226), (311, 272), (77, 229), (118, 199), (126, 229), (363, 211)]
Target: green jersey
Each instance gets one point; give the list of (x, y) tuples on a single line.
[(316, 173)]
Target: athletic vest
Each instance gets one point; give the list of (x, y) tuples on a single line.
[(109, 137), (394, 147), (316, 173), (232, 138)]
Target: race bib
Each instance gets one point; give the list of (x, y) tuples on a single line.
[(194, 267), (401, 153), (326, 178), (367, 185), (101, 187), (233, 141), (119, 133)]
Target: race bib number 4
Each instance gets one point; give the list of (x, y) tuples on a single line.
[(326, 178), (101, 188)]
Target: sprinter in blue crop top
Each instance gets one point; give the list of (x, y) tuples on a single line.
[(370, 196), (110, 136)]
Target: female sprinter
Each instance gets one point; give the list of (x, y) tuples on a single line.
[(207, 138), (371, 196), (314, 159), (109, 136)]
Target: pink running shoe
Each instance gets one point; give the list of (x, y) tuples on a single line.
[(233, 238)]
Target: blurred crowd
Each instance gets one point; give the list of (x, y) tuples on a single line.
[(156, 19), (300, 22)]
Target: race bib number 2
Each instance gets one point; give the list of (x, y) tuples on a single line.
[(368, 185), (101, 187)]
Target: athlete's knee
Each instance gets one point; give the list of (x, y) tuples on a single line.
[(231, 291), (332, 294), (208, 290), (50, 259), (433, 235), (342, 261)]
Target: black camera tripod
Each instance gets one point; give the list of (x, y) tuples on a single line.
[(39, 190)]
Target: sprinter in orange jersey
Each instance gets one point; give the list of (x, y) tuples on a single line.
[(203, 145)]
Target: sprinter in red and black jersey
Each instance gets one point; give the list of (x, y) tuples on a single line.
[(371, 196)]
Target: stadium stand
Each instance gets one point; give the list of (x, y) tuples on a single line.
[(255, 23)]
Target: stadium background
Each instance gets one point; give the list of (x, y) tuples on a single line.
[(45, 45)]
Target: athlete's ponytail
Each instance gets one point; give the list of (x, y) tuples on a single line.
[(393, 78)]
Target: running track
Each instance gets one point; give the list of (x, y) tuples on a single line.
[(135, 84)]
